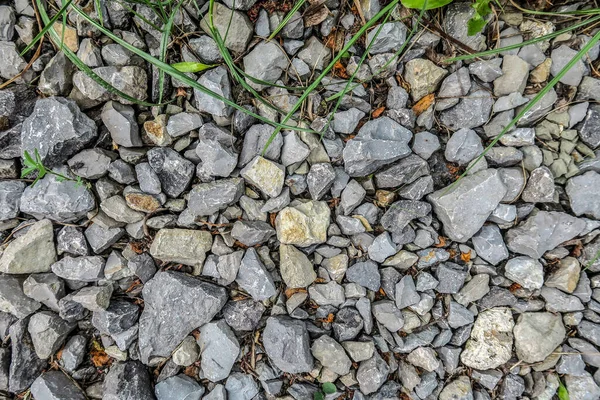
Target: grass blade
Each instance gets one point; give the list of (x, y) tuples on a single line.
[(326, 70), (525, 43), (170, 70), (164, 43), (534, 101), (37, 37), (193, 67), (287, 18)]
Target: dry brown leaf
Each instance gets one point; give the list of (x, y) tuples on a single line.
[(98, 356), (466, 257), (340, 70), (292, 291), (442, 241), (315, 14), (378, 111), (423, 104)]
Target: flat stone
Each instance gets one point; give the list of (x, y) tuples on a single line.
[(400, 213), (561, 56), (463, 146), (178, 387), (13, 300), (372, 374), (183, 246), (129, 79), (241, 387), (119, 385), (315, 54), (220, 350), (175, 304), (266, 175), (490, 344), (46, 288), (73, 353), (121, 123), (526, 271), (217, 159), (217, 81), (464, 208), (84, 269), (406, 294), (472, 111), (254, 278), (287, 344), (540, 186), (489, 244), (55, 385), (207, 198), (424, 357), (388, 315), (327, 294), (233, 26), (331, 355), (266, 62), (582, 191), (304, 224), (48, 332), (296, 269), (32, 252), (423, 76), (537, 335), (514, 76), (251, 233)]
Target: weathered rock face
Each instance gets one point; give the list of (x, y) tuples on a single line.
[(304, 224), (287, 344), (131, 80), (184, 246), (33, 252), (464, 207), (128, 381), (491, 340), (537, 335), (175, 304)]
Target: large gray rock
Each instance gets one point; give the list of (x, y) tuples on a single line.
[(10, 199), (561, 56), (241, 386), (331, 355), (583, 192), (55, 385), (32, 252), (489, 244), (48, 332), (491, 340), (266, 62), (463, 146), (57, 129), (217, 81), (178, 387), (25, 365), (233, 26), (128, 381), (471, 111), (183, 246), (206, 199), (542, 232), (379, 142), (254, 278), (13, 300), (175, 304), (174, 172), (287, 344), (220, 350), (464, 207), (243, 315), (84, 269), (63, 202), (537, 334), (131, 80)]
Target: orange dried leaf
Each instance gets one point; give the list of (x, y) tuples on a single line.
[(340, 70), (466, 257), (98, 356), (442, 241), (377, 113), (514, 287), (292, 291), (423, 104)]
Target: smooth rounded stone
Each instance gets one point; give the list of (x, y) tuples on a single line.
[(372, 374), (178, 387), (55, 385), (10, 198), (331, 355), (561, 56), (489, 244), (73, 353), (266, 175), (583, 190), (45, 288), (365, 274), (514, 76), (84, 269), (13, 300), (390, 36), (254, 278), (208, 198), (240, 386), (287, 344), (48, 332), (379, 142), (471, 111), (540, 186), (217, 81), (217, 159), (423, 76), (57, 129), (266, 62), (121, 123), (464, 207), (566, 276), (243, 315), (30, 253), (183, 246), (220, 350), (425, 144), (131, 80), (463, 146), (490, 344), (119, 385), (526, 271), (303, 225), (296, 269), (542, 232), (537, 335), (187, 353), (233, 26), (175, 304), (174, 171)]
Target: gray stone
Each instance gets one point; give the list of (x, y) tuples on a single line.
[(526, 271), (287, 344), (315, 54), (453, 87), (174, 171), (220, 350), (7, 23), (183, 246), (561, 56), (537, 335), (400, 213), (542, 232), (405, 293), (251, 233), (382, 248), (55, 385), (10, 199), (25, 366), (590, 331), (182, 123), (116, 208), (372, 373), (390, 36), (405, 171), (471, 111), (455, 24), (303, 225), (352, 195), (541, 108), (13, 300), (388, 315), (147, 178), (587, 351), (57, 129), (464, 208), (175, 304), (73, 353), (46, 288), (459, 315), (11, 63), (486, 70), (121, 172), (117, 318), (425, 144), (56, 78), (451, 276), (121, 123), (365, 274), (217, 81), (320, 179), (463, 146), (255, 141), (379, 142), (346, 121), (243, 315), (540, 186), (424, 357), (178, 387), (233, 26), (514, 76), (120, 383), (327, 294), (241, 387), (331, 355), (266, 62), (93, 298), (254, 278), (207, 198), (91, 163), (558, 301), (32, 252), (489, 245), (474, 290), (490, 344), (48, 332), (217, 159), (100, 238), (588, 131), (582, 387), (131, 80), (583, 191), (509, 102), (296, 269)]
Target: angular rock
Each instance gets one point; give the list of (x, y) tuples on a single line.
[(331, 355), (490, 344), (537, 335), (217, 81), (583, 192), (287, 344), (48, 332), (254, 278), (243, 315), (265, 175), (175, 172), (128, 381), (46, 288), (372, 373), (183, 246), (32, 252), (84, 269), (303, 225), (121, 123), (55, 385), (365, 274), (233, 26), (463, 146), (178, 387), (207, 198), (525, 271), (489, 244), (266, 62), (13, 300), (25, 366), (423, 76), (10, 198), (220, 350), (296, 269)]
